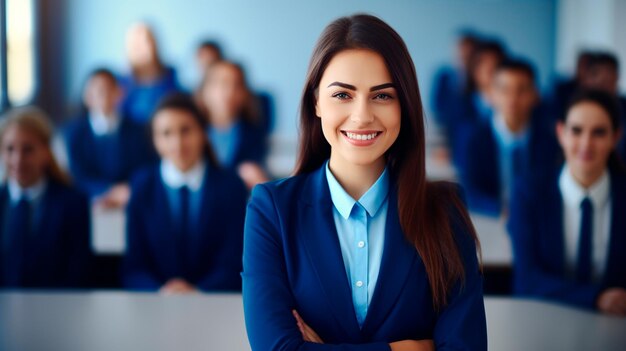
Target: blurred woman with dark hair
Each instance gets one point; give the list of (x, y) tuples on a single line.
[(185, 215), (568, 227)]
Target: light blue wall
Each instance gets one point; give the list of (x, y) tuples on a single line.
[(274, 39)]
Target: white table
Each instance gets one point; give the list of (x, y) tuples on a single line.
[(494, 240), (129, 321)]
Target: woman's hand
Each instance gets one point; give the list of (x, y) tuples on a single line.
[(413, 345), (116, 197), (177, 286), (308, 334), (613, 301)]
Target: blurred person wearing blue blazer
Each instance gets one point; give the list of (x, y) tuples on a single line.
[(150, 79), (451, 81), (513, 142), (568, 227), (185, 216), (474, 106), (104, 147), (358, 251), (234, 127), (44, 223)]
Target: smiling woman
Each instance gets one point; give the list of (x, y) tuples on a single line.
[(359, 251)]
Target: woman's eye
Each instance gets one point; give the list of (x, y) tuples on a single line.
[(383, 97), (341, 96)]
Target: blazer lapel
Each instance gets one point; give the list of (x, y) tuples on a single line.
[(552, 233), (163, 241), (204, 235), (398, 259), (615, 264), (322, 245)]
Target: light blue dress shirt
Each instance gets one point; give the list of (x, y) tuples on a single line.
[(508, 142), (224, 142), (361, 229)]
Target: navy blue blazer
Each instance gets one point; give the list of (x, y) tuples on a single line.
[(58, 254), (536, 229), (481, 176), (95, 166), (214, 261), (292, 260)]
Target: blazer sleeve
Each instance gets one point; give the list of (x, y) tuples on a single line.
[(79, 251), (267, 297), (137, 270), (226, 272), (531, 278)]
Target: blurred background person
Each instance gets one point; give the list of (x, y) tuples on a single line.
[(232, 112), (474, 105), (104, 148), (450, 81), (44, 223), (513, 142), (567, 226), (185, 217), (150, 79)]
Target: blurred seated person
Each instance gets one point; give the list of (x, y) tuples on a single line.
[(104, 147), (234, 130), (150, 79), (185, 216), (44, 222), (474, 106), (567, 226), (511, 143)]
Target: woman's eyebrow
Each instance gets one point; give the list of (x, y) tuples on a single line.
[(343, 85), (382, 86), (352, 87)]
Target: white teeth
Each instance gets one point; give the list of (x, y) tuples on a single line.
[(356, 136)]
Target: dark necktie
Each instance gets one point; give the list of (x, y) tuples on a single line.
[(585, 244), (18, 229), (183, 235)]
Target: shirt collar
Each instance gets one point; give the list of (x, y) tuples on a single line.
[(574, 193), (102, 125), (174, 178), (32, 193), (371, 201), (507, 137)]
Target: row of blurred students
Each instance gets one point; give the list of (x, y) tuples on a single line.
[(105, 146), (184, 219), (567, 223)]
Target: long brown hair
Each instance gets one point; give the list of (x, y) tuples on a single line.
[(423, 207), (37, 122)]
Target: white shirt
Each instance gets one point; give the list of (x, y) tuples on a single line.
[(174, 178), (573, 194), (103, 125), (32, 193)]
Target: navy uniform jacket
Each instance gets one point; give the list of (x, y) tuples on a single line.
[(536, 229), (292, 260), (215, 248), (99, 162), (481, 176), (58, 253)]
